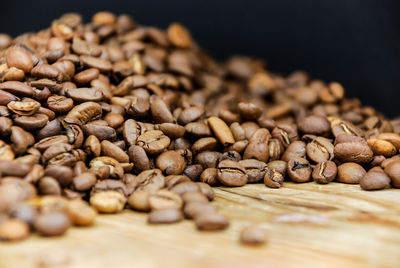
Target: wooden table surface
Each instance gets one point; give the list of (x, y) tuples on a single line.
[(309, 225)]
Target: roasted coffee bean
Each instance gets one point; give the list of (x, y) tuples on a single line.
[(23, 212), (171, 163), (81, 213), (19, 58), (315, 124), (273, 179), (184, 187), (164, 199), (249, 111), (350, 173), (13, 230), (84, 181), (208, 159), (108, 201), (382, 147), (49, 186), (299, 169), (150, 180), (210, 222), (275, 149), (255, 169), (110, 185), (153, 141), (285, 133), (193, 172), (192, 209), (393, 171), (52, 223), (324, 172), (209, 176), (356, 151), (279, 166), (258, 145), (139, 200), (110, 149), (116, 169), (221, 131), (320, 149), (295, 149), (190, 197), (375, 179), (253, 235), (164, 216), (85, 112), (231, 173), (206, 190), (231, 155)]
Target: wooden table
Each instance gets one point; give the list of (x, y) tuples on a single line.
[(310, 225)]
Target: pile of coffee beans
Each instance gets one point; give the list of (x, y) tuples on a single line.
[(109, 115)]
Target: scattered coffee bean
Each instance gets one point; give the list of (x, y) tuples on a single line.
[(163, 216), (253, 235)]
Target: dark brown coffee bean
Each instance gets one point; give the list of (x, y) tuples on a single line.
[(160, 110), (273, 179), (85, 112), (17, 88), (211, 222), (315, 124), (49, 186), (52, 223), (47, 71), (84, 181), (249, 111), (165, 216), (190, 114), (33, 122), (299, 169), (255, 169), (258, 145), (253, 235), (193, 171), (208, 159), (324, 172), (231, 173), (375, 179), (171, 163), (350, 173), (84, 94), (199, 129)]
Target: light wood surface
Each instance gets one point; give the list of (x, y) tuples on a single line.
[(309, 225)]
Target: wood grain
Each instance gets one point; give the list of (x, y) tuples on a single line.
[(310, 225)]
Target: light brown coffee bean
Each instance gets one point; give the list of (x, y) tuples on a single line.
[(350, 173), (231, 173), (211, 221), (164, 199), (171, 163), (324, 172), (108, 201), (221, 131), (13, 230), (273, 179), (375, 179), (81, 213), (52, 223), (299, 169), (139, 200), (165, 216), (253, 235)]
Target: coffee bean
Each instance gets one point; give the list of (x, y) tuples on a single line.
[(353, 151), (320, 149), (179, 36), (20, 59), (150, 180), (315, 124), (139, 200), (393, 171), (184, 187), (255, 169), (165, 216), (206, 190), (324, 172), (194, 209), (258, 145), (350, 173), (49, 186), (193, 172), (231, 173), (211, 222), (110, 149), (221, 131), (382, 147), (52, 223), (375, 179), (81, 213), (190, 197), (279, 166), (285, 133), (299, 169), (171, 163), (108, 201), (209, 176), (116, 169), (153, 141), (253, 235), (84, 181), (164, 199), (13, 230), (273, 179), (295, 149)]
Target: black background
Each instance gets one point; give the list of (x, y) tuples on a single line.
[(355, 42)]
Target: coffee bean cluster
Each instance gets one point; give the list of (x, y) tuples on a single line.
[(109, 115)]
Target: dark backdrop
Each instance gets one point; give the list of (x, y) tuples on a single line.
[(355, 42)]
